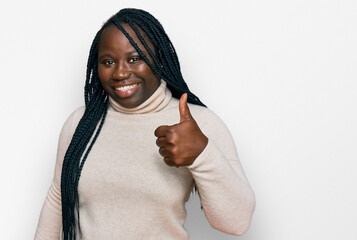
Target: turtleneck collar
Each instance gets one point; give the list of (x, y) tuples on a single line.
[(156, 102)]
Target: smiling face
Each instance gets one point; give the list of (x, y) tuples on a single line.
[(124, 75)]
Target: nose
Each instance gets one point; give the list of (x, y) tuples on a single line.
[(122, 71)]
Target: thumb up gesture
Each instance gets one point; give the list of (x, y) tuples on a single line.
[(181, 143)]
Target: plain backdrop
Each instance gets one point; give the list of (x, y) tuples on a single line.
[(281, 74)]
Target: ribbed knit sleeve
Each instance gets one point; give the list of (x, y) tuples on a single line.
[(50, 223), (226, 197)]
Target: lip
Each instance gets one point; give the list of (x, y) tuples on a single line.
[(126, 90)]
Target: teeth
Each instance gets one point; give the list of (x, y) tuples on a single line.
[(125, 88)]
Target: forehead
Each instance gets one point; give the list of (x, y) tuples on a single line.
[(112, 36)]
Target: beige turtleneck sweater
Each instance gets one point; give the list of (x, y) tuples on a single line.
[(126, 191)]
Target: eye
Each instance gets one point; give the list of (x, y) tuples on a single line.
[(134, 59), (108, 62)]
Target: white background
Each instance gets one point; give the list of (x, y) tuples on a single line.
[(281, 74)]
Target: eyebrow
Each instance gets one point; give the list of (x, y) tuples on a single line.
[(133, 52), (109, 55), (105, 55)]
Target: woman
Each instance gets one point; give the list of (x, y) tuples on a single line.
[(128, 160)]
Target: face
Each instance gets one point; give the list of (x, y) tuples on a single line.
[(124, 75)]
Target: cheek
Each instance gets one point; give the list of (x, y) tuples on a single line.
[(104, 74), (142, 69), (150, 77)]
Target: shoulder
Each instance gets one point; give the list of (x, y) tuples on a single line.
[(65, 138), (205, 115), (212, 125), (216, 131), (72, 121), (75, 116)]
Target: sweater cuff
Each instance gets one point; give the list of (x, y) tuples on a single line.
[(209, 154)]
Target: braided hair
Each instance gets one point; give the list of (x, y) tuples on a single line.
[(165, 64)]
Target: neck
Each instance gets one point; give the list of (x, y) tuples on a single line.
[(156, 102)]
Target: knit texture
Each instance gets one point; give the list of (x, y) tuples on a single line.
[(126, 191)]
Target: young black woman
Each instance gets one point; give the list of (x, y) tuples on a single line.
[(128, 160)]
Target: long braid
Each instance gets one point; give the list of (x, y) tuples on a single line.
[(96, 108), (165, 64)]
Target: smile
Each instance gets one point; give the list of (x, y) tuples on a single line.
[(126, 88)]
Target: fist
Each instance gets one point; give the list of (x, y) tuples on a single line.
[(182, 143)]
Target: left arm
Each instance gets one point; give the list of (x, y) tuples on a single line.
[(226, 196), (211, 156)]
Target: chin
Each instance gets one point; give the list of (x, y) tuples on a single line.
[(129, 103)]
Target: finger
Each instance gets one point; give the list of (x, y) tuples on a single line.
[(169, 162), (161, 142), (163, 152), (185, 113), (161, 131)]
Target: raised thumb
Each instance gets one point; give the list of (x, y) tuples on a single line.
[(185, 113)]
